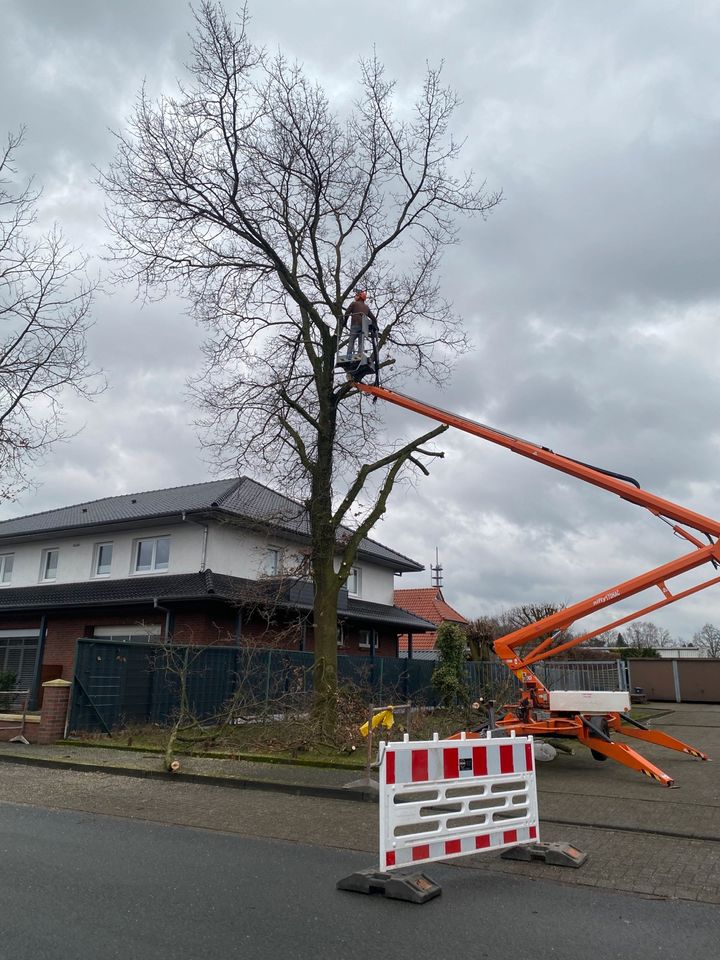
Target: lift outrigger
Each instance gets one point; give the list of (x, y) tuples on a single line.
[(587, 717)]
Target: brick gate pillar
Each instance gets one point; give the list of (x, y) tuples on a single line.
[(56, 697)]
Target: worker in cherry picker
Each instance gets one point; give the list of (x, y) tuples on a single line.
[(360, 315)]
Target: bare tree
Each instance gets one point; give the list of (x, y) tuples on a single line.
[(645, 635), (481, 635), (269, 208), (708, 637), (44, 316)]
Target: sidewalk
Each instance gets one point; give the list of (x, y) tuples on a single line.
[(573, 790), (283, 777)]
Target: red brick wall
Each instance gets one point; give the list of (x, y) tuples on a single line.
[(20, 623), (10, 729), (200, 624), (64, 629), (193, 625), (385, 643)]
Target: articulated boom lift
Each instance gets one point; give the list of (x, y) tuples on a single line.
[(588, 717)]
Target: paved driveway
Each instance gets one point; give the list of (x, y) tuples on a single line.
[(578, 789)]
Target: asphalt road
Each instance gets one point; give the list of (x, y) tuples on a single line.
[(75, 885)]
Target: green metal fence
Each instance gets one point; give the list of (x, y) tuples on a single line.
[(137, 683)]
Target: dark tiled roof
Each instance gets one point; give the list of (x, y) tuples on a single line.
[(195, 586), (259, 504), (364, 610), (132, 506), (182, 586), (244, 500)]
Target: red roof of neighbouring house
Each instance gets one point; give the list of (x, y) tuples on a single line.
[(428, 603)]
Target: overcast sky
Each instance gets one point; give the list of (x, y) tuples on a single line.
[(592, 294)]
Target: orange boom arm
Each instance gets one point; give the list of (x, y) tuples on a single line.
[(535, 694)]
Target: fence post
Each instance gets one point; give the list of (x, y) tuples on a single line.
[(267, 677), (56, 697), (368, 758), (676, 681)]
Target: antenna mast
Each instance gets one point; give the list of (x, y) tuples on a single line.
[(436, 571)]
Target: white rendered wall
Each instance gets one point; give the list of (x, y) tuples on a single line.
[(230, 550), (76, 555), (243, 553), (376, 582)]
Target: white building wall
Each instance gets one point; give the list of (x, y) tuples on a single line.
[(229, 550), (377, 582), (243, 553), (76, 555), (682, 653)]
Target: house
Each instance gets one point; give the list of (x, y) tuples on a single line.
[(225, 561), (429, 604)]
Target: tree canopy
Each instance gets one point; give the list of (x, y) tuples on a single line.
[(268, 206), (45, 301)]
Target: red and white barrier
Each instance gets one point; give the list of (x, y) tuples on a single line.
[(448, 798)]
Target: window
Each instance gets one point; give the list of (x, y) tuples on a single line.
[(153, 555), (354, 582), (103, 559), (6, 567), (49, 565), (18, 653), (272, 561), (364, 638), (341, 635), (124, 633)]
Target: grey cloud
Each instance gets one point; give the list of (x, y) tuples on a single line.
[(591, 294)]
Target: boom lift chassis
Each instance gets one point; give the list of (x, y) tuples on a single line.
[(532, 714)]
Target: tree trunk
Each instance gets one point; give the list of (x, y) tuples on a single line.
[(326, 581), (325, 669)]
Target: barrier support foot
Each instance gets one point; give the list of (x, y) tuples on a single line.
[(399, 885), (554, 854)]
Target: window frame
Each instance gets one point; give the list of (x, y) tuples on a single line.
[(44, 558), (356, 576), (153, 566), (4, 557), (129, 633), (275, 553), (96, 560), (368, 645)]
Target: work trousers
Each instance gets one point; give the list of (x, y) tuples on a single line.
[(356, 336)]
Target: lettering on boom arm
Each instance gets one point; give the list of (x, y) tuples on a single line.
[(606, 597)]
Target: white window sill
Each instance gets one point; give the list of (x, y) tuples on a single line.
[(146, 573)]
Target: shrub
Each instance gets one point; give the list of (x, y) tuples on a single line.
[(449, 676)]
